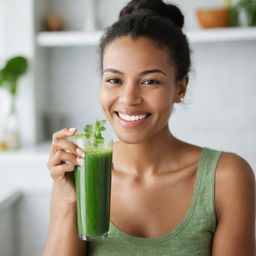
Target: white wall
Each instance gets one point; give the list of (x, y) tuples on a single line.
[(18, 39), (1, 31), (221, 105)]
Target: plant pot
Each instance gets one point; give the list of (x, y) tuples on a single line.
[(214, 17), (53, 23)]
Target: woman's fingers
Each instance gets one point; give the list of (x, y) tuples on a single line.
[(64, 154), (63, 162), (60, 157), (60, 135), (59, 142), (64, 133), (58, 172), (69, 146)]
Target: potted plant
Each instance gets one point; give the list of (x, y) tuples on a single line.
[(215, 17), (9, 75), (246, 9)]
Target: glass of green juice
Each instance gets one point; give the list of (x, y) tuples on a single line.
[(93, 188)]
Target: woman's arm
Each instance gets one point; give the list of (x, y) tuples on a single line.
[(235, 193), (62, 236)]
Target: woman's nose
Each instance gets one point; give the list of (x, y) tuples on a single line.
[(130, 95)]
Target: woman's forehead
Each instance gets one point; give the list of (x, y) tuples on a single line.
[(134, 53)]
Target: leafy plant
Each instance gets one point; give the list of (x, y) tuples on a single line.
[(88, 131), (94, 132), (249, 7), (11, 72), (99, 127)]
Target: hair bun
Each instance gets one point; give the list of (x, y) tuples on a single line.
[(154, 7)]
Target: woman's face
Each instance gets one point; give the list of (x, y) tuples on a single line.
[(138, 82)]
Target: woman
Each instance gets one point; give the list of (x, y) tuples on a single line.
[(168, 197)]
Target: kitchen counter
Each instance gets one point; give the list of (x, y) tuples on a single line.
[(8, 196), (36, 152), (25, 169)]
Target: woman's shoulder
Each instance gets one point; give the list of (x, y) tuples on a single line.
[(233, 167), (234, 204), (234, 182)]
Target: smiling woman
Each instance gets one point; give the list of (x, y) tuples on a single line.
[(168, 197), (147, 86)]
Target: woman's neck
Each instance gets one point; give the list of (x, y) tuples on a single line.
[(149, 157)]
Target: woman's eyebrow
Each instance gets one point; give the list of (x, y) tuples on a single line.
[(112, 70), (145, 72)]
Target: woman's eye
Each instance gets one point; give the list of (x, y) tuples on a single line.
[(150, 81), (113, 81)]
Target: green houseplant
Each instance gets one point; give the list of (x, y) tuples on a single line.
[(10, 74), (248, 7)]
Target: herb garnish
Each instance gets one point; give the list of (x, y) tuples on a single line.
[(94, 132)]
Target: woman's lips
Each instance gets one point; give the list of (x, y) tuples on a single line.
[(134, 123)]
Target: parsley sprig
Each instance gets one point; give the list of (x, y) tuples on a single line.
[(94, 132)]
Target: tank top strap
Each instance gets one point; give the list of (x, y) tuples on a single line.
[(206, 198)]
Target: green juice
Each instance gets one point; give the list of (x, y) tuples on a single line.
[(93, 190)]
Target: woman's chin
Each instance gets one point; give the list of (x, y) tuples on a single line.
[(130, 139)]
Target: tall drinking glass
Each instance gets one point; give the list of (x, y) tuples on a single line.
[(93, 188)]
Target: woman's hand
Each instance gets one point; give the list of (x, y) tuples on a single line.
[(64, 156)]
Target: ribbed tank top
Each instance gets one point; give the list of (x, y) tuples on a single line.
[(192, 237)]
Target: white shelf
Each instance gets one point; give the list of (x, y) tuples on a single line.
[(76, 38), (222, 35), (69, 38)]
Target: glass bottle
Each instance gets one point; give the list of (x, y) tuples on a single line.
[(12, 133)]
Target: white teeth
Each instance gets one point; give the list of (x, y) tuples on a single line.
[(131, 118)]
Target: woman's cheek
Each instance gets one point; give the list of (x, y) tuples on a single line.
[(162, 101), (106, 99)]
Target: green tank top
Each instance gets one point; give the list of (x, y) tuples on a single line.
[(192, 237)]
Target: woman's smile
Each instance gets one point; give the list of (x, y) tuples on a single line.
[(131, 120)]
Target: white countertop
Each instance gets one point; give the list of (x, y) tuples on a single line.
[(8, 196), (25, 170), (39, 152)]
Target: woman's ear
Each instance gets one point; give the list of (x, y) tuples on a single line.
[(181, 88)]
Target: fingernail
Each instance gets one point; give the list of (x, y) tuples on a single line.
[(80, 152), (80, 160), (71, 129)]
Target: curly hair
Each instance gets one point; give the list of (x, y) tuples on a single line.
[(160, 22)]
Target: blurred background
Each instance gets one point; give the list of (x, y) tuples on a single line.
[(50, 79)]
